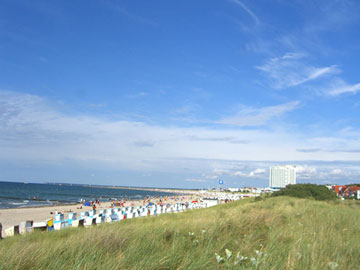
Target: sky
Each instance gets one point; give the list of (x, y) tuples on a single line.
[(179, 93)]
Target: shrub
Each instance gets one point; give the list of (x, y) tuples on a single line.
[(317, 192)]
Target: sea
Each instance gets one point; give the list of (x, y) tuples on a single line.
[(19, 195)]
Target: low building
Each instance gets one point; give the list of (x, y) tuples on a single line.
[(233, 189)]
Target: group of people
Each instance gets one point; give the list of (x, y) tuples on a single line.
[(94, 203)]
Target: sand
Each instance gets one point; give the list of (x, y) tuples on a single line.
[(11, 217)]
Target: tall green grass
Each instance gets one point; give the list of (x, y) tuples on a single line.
[(288, 233)]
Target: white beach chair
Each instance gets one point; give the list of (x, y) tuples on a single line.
[(84, 214), (109, 211), (13, 230), (92, 213), (129, 214), (71, 217), (89, 221), (40, 226), (26, 227), (116, 217), (100, 219), (59, 222)]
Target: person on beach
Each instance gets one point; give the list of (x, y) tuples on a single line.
[(0, 231)]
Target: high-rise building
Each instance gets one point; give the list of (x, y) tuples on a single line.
[(281, 176)]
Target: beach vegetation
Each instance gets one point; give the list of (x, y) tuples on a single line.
[(277, 233), (317, 192)]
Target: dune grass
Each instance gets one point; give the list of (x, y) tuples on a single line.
[(288, 233)]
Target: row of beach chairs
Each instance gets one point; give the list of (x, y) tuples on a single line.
[(92, 217)]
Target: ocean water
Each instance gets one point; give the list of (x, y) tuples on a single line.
[(17, 195)]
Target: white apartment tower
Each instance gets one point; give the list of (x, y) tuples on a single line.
[(281, 176)]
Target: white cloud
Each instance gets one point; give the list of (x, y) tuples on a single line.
[(249, 116), (336, 172), (289, 71), (293, 56), (340, 87), (32, 129), (138, 95), (198, 180), (306, 172), (259, 173)]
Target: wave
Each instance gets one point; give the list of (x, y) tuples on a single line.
[(16, 203)]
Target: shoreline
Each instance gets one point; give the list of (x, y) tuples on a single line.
[(13, 216), (171, 192)]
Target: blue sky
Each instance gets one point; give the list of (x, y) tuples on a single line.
[(179, 93)]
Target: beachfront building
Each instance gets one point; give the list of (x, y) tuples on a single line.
[(281, 176)]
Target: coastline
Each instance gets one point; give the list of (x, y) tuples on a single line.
[(13, 216)]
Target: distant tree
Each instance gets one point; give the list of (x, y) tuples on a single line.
[(316, 192)]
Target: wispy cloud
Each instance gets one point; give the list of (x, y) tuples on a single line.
[(244, 7), (314, 150), (259, 173), (249, 116), (138, 95), (233, 140), (128, 14), (309, 150), (144, 143), (340, 87), (197, 180), (306, 172), (331, 15), (289, 70)]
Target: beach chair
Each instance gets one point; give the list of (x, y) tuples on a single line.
[(108, 219), (77, 223), (13, 230), (71, 217), (59, 225), (109, 211), (116, 217), (50, 224), (92, 213), (26, 227), (89, 221), (59, 222), (40, 226), (84, 214), (100, 219)]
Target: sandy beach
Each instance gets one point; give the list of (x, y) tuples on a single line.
[(13, 216)]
